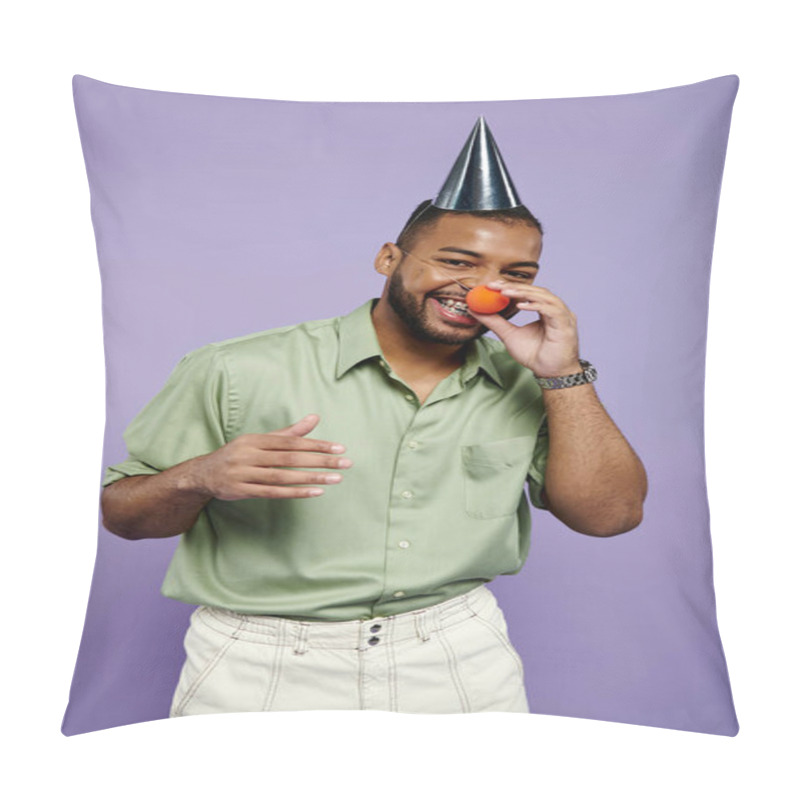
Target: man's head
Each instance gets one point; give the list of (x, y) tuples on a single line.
[(440, 254)]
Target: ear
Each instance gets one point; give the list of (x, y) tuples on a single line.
[(389, 256)]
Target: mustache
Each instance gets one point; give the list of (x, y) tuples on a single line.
[(447, 296)]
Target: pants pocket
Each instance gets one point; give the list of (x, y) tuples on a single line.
[(496, 622), (491, 669), (205, 648)]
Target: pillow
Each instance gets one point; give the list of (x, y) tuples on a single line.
[(217, 217)]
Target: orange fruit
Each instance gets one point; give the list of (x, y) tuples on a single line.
[(484, 300)]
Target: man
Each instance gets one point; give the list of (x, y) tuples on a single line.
[(332, 581)]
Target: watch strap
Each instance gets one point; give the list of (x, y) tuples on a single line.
[(588, 375)]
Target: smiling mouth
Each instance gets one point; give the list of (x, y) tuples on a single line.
[(454, 310)]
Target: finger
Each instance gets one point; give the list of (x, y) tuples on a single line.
[(500, 285), (298, 458), (256, 491), (267, 476), (533, 293), (305, 426), (526, 290), (555, 315), (285, 441), (495, 323), (297, 443), (299, 428), (536, 304)]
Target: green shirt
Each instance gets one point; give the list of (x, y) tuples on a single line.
[(432, 507)]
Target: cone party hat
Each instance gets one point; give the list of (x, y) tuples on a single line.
[(479, 180)]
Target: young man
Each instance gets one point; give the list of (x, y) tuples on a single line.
[(348, 570)]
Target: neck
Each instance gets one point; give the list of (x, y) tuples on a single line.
[(400, 347)]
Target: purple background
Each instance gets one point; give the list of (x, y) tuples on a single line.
[(216, 217)]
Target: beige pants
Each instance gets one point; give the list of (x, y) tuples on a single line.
[(454, 657)]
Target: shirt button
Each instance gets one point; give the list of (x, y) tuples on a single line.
[(374, 628), (413, 445), (410, 398), (404, 544), (373, 640), (399, 594), (407, 495)]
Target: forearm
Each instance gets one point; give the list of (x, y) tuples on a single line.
[(154, 506), (594, 481)]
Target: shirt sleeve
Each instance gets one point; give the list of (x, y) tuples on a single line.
[(536, 471), (189, 417)]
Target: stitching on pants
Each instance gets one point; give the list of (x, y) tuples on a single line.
[(421, 628), (204, 673), (505, 642), (301, 640), (361, 656), (501, 635), (470, 600), (454, 673), (276, 666), (391, 666)]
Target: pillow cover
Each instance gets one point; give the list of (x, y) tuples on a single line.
[(217, 217)]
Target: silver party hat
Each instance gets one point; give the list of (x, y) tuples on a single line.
[(478, 180)]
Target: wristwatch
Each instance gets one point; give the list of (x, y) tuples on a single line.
[(588, 375)]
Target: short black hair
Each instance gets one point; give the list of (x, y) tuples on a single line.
[(426, 215)]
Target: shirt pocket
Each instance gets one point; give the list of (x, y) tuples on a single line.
[(494, 476)]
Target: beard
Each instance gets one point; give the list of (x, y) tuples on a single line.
[(415, 315)]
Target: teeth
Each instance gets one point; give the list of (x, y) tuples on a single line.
[(455, 305)]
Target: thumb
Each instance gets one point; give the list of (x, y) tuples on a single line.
[(299, 428), (495, 323)]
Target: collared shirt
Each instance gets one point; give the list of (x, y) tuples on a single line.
[(432, 507)]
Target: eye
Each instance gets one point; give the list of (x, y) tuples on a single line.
[(454, 262), (521, 276)]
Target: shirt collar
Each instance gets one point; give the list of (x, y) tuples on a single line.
[(479, 357), (357, 338), (358, 342)]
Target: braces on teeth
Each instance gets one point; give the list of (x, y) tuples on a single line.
[(456, 305)]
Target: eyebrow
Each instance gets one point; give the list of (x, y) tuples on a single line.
[(472, 253)]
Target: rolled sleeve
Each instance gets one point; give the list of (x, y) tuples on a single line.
[(191, 416), (536, 471), (126, 469)]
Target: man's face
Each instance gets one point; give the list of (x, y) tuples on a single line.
[(457, 254)]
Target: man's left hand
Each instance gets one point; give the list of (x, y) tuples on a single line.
[(547, 346)]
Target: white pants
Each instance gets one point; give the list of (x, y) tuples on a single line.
[(454, 657)]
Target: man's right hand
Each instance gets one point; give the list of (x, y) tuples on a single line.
[(270, 465)]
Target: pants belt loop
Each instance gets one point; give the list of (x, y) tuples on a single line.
[(421, 627), (301, 639)]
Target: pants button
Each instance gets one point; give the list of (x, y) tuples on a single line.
[(373, 640), (374, 628)]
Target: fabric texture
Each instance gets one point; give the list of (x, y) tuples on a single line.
[(452, 658), (216, 217), (432, 507)]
